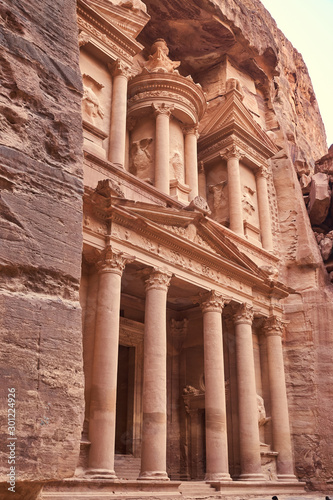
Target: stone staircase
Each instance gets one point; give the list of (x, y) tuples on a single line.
[(198, 489), (127, 467)]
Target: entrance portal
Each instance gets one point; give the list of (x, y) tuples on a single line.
[(125, 400)]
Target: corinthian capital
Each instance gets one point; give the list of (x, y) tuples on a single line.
[(191, 130), (243, 314), (113, 262), (162, 109), (212, 302), (232, 152), (120, 68), (262, 172), (158, 279), (274, 326)]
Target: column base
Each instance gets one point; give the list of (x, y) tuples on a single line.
[(101, 474), (287, 477), (252, 477), (153, 475), (217, 477)]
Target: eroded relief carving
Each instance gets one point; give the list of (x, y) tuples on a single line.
[(177, 167), (248, 202), (220, 201), (91, 105), (141, 159)]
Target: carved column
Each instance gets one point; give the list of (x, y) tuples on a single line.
[(279, 405), (154, 431), (117, 144), (234, 189), (191, 161), (264, 212), (162, 155), (215, 409), (104, 376), (247, 396)]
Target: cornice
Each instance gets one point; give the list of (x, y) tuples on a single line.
[(210, 147), (134, 181), (105, 33), (217, 262), (170, 87)]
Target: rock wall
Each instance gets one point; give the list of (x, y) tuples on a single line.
[(41, 232), (41, 182)]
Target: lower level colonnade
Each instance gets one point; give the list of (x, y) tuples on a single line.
[(102, 413)]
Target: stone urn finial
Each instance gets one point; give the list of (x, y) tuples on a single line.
[(159, 61)]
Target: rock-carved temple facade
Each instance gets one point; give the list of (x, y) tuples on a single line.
[(165, 310), (182, 321)]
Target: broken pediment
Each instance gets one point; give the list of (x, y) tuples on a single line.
[(191, 230), (232, 118), (130, 16)]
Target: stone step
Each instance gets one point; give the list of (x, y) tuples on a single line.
[(197, 489), (127, 467)]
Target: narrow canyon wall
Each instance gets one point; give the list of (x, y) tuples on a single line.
[(41, 233)]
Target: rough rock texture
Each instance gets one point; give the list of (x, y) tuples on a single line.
[(40, 254), (41, 218)]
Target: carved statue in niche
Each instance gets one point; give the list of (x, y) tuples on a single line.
[(177, 167), (262, 419), (247, 202), (159, 61), (141, 160), (220, 201), (91, 107)]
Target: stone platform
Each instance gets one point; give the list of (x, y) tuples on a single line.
[(92, 489)]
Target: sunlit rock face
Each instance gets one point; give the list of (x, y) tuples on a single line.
[(40, 254), (201, 137)]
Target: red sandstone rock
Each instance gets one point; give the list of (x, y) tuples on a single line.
[(320, 198)]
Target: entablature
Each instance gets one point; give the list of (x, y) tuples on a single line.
[(100, 34)]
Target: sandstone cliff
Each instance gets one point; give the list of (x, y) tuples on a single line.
[(41, 218), (40, 254)]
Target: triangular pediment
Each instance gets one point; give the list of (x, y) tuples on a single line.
[(233, 117), (185, 228), (130, 16)]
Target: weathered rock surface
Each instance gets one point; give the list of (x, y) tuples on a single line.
[(320, 198), (41, 218), (40, 254)]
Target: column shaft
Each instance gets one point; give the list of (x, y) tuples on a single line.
[(217, 468), (191, 162), (117, 138), (279, 403), (104, 378), (247, 397), (264, 212), (162, 155), (235, 195), (154, 431)]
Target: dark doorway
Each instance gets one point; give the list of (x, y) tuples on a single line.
[(125, 400)]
